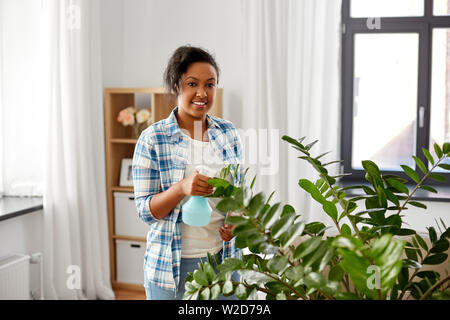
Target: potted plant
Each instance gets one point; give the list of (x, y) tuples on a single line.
[(372, 257)]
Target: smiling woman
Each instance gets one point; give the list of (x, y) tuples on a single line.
[(165, 175)]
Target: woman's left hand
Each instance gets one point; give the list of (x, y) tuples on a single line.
[(226, 232)]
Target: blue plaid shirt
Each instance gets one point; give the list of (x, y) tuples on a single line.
[(159, 161)]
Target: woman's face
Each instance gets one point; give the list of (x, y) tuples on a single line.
[(197, 89)]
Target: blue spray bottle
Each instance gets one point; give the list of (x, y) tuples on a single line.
[(197, 211)]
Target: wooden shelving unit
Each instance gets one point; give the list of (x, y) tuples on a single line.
[(120, 144)]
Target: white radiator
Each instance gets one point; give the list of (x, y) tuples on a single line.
[(15, 277)]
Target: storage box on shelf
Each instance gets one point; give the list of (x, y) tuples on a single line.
[(127, 233)]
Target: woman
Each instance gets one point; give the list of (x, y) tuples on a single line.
[(165, 176)]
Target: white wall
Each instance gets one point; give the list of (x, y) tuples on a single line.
[(138, 37)]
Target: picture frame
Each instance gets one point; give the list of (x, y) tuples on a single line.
[(126, 173)]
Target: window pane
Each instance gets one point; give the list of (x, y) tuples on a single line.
[(441, 7), (386, 8), (385, 99), (440, 88)]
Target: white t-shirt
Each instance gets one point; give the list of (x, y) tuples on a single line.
[(196, 242)]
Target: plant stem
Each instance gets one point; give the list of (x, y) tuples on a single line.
[(419, 184), (411, 279), (355, 228), (430, 291)]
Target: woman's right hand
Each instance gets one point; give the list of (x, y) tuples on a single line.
[(196, 185)]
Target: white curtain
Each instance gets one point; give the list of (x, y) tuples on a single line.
[(76, 236), (292, 58), (76, 256)]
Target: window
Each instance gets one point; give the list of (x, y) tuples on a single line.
[(395, 82)]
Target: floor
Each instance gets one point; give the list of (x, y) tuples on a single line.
[(122, 294)]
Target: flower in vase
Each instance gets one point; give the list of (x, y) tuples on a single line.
[(126, 116), (142, 116)]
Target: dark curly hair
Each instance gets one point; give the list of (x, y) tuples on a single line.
[(179, 63)]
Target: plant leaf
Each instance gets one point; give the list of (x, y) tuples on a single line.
[(411, 173), (440, 246), (420, 164), (438, 150), (417, 204), (306, 247), (428, 188), (437, 177), (397, 185), (437, 258), (427, 155)]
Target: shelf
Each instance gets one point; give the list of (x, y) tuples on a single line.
[(122, 140), (122, 189), (129, 238)]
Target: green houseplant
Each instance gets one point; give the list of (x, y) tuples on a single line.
[(367, 259)]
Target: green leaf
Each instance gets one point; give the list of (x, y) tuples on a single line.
[(432, 234), (240, 292), (201, 278), (287, 209), (420, 164), (446, 148), (255, 204), (350, 243), (428, 274), (270, 197), (392, 197), (230, 264), (315, 256), (293, 141), (357, 267), (227, 204), (428, 188), (336, 273), (309, 187), (253, 182), (277, 264), (438, 150), (294, 273), (411, 173), (397, 185), (270, 217), (292, 233), (437, 258), (427, 155), (422, 242), (282, 225), (236, 220), (315, 280), (210, 273), (281, 296), (445, 166), (215, 291), (306, 247), (205, 294), (345, 230), (417, 204), (440, 246), (330, 209), (437, 177), (227, 288), (309, 146)]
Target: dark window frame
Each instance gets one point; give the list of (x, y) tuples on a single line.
[(423, 26)]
